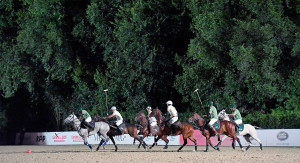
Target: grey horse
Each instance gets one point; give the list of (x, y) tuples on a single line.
[(101, 128)]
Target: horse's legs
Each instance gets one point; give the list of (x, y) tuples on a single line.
[(195, 142), (101, 142), (247, 138), (134, 142), (135, 136), (233, 144), (155, 141), (238, 140), (164, 138), (206, 150), (141, 140), (223, 138), (254, 136), (185, 142), (112, 139), (86, 143)]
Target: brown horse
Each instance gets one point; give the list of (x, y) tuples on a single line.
[(226, 127), (186, 130), (144, 130), (130, 129)]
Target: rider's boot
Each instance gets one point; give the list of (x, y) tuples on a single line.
[(214, 130), (87, 124), (121, 129), (149, 129), (236, 127), (170, 126), (173, 129)]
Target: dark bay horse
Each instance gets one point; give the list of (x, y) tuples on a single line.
[(144, 130), (226, 127), (130, 129), (186, 130)]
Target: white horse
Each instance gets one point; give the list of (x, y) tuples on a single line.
[(101, 128), (249, 131)]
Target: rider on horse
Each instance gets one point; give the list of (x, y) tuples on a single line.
[(173, 117), (213, 116), (118, 116), (236, 115), (152, 120), (87, 118)]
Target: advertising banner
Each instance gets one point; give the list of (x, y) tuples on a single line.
[(73, 138), (268, 137)]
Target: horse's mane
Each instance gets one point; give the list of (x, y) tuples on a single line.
[(141, 113)]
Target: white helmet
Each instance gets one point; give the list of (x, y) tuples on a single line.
[(113, 108), (149, 107), (169, 103)]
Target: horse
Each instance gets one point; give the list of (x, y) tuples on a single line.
[(130, 129), (249, 131), (144, 125), (226, 128), (186, 129), (100, 128)]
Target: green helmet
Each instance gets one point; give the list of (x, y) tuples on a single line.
[(210, 102), (233, 105), (79, 109)]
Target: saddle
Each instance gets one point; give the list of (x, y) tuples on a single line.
[(120, 128), (217, 125), (241, 127), (88, 125)]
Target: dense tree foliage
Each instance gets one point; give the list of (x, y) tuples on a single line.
[(58, 55)]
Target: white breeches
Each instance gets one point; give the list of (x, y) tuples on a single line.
[(174, 119), (212, 122), (152, 121), (118, 122), (153, 124), (238, 121), (89, 119)]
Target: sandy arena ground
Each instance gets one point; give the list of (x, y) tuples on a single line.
[(130, 153)]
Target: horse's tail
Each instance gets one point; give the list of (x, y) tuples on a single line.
[(257, 127)]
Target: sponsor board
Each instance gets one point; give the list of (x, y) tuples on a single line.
[(268, 137), (73, 138)]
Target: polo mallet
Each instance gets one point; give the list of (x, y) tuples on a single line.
[(106, 90), (199, 97)]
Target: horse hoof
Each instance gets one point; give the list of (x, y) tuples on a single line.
[(165, 147), (205, 151), (243, 150)]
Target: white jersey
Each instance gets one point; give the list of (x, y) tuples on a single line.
[(172, 111), (118, 115)]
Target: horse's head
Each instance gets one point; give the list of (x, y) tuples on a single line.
[(97, 118), (222, 115), (158, 115), (196, 117), (139, 116), (70, 118), (155, 113)]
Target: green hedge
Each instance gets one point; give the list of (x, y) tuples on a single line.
[(278, 118)]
